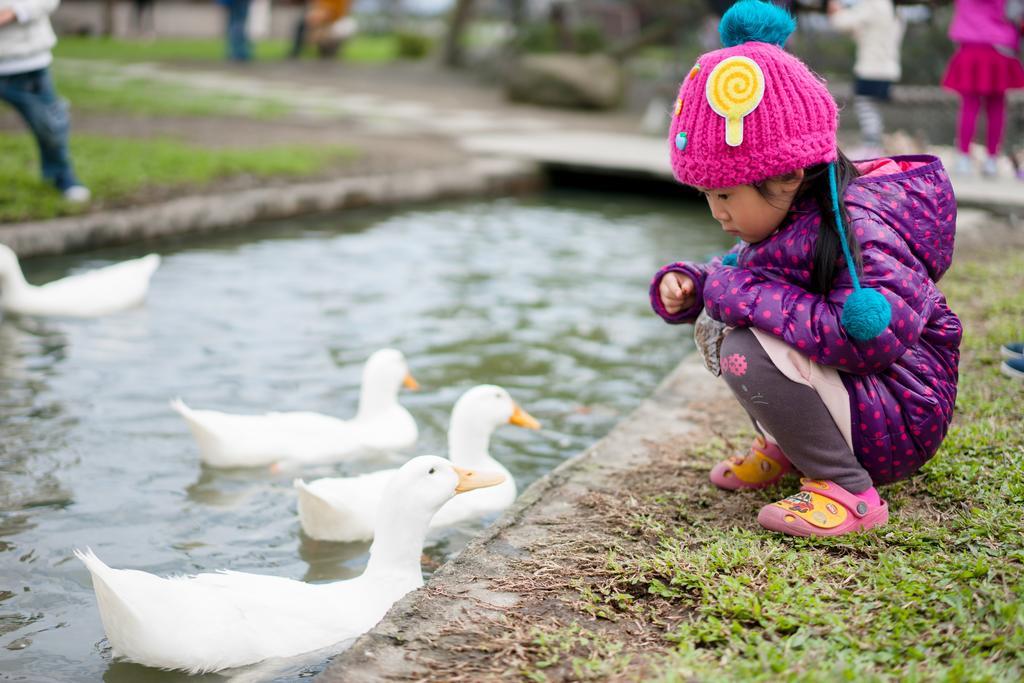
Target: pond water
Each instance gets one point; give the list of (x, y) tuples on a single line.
[(545, 296)]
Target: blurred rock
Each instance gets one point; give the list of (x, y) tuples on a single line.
[(566, 80)]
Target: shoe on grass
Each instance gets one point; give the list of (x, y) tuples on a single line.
[(1012, 350), (822, 508), (762, 465), (77, 194), (1013, 367)]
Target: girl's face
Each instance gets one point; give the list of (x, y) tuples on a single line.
[(746, 213)]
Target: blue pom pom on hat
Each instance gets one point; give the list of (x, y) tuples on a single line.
[(755, 21)]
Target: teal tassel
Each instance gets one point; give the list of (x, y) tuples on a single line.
[(866, 313), (729, 260), (755, 21)]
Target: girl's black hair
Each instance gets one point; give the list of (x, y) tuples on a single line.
[(827, 251)]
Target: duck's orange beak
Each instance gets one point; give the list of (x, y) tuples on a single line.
[(521, 418), (469, 480), (410, 383)]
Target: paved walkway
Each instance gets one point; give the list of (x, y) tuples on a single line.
[(473, 116), (605, 152)]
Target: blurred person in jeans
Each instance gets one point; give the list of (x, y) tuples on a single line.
[(239, 47), (26, 39), (144, 18)]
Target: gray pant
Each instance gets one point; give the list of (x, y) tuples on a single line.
[(792, 413), (870, 118)]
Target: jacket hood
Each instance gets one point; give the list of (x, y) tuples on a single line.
[(913, 195)]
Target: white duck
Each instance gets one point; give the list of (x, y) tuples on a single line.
[(345, 508), (210, 622), (95, 293), (298, 438)]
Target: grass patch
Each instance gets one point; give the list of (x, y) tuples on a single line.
[(575, 652), (97, 92), (936, 595), (117, 169), (361, 48)]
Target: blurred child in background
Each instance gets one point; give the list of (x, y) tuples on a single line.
[(983, 68), (878, 31), (26, 39)]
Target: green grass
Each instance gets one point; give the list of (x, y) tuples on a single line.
[(92, 92), (117, 169), (935, 595), (105, 89), (601, 657), (361, 49)]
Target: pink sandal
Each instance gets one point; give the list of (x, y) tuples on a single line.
[(822, 508), (763, 465)]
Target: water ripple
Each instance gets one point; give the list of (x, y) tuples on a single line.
[(544, 296)]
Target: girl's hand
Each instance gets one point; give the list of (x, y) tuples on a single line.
[(677, 292)]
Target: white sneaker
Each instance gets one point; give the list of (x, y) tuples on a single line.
[(77, 194), (963, 165), (990, 167)]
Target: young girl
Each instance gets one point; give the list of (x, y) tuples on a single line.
[(842, 349), (983, 68)]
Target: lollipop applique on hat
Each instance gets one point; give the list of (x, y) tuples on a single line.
[(734, 89)]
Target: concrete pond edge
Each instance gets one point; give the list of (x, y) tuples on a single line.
[(464, 586), (482, 176)]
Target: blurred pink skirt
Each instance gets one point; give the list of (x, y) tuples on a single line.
[(978, 69)]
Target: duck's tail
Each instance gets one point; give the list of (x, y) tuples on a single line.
[(104, 580), (189, 415), (94, 564), (181, 409), (209, 441), (149, 263), (326, 521)]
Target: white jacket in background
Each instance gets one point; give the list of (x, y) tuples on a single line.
[(29, 39), (878, 31)]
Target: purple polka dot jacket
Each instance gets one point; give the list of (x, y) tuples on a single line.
[(902, 384)]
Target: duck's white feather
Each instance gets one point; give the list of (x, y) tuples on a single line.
[(227, 619), (345, 508), (209, 622), (233, 440), (95, 293)]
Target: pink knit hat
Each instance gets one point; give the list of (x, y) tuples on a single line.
[(751, 110)]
